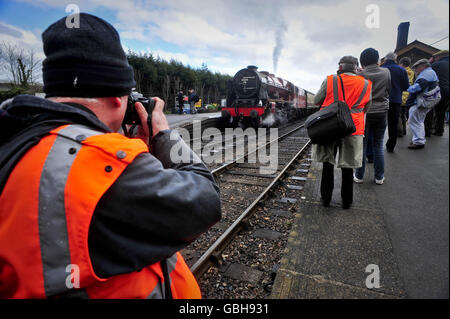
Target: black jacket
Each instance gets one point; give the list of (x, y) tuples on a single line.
[(194, 97), (399, 81), (441, 68), (180, 99), (154, 209)]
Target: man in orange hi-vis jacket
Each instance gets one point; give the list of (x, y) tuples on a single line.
[(87, 212), (358, 95)]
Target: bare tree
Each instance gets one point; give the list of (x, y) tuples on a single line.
[(20, 65)]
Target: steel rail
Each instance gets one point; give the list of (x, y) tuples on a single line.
[(204, 262), (220, 169)]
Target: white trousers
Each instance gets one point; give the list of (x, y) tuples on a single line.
[(416, 124)]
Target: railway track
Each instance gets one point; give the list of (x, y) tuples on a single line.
[(244, 188), (226, 142)]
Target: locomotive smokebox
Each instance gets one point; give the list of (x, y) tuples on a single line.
[(247, 83)]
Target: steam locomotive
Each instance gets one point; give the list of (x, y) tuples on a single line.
[(260, 99)]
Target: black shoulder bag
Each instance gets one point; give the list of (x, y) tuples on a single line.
[(333, 122)]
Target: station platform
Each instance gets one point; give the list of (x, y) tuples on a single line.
[(402, 227), (178, 120)]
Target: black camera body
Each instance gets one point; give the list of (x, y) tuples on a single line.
[(131, 115)]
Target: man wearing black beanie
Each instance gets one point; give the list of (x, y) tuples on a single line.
[(376, 117), (87, 212)]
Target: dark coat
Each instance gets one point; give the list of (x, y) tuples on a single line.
[(399, 81), (180, 98), (173, 203), (193, 98), (441, 69)]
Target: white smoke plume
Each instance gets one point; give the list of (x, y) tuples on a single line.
[(279, 44), (268, 121)]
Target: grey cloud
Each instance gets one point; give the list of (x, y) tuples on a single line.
[(422, 21), (330, 36), (4, 29), (244, 31)]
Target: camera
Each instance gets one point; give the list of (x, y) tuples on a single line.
[(131, 115)]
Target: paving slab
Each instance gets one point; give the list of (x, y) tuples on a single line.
[(336, 246), (415, 199), (401, 226)]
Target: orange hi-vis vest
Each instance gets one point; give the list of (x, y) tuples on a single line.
[(357, 94), (46, 208)]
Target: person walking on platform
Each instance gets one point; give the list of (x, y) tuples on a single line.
[(180, 100), (440, 66), (399, 83), (358, 92), (376, 117), (405, 63), (87, 212), (426, 80)]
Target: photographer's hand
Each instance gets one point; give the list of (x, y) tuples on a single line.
[(159, 121)]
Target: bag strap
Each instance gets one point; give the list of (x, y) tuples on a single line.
[(336, 88), (168, 291), (342, 87)]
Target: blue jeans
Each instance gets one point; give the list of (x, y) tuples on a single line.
[(375, 129), (369, 147)]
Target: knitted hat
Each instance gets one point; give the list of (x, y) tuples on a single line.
[(88, 61), (369, 56)]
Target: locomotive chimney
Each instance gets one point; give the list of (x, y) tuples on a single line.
[(252, 67), (402, 35)]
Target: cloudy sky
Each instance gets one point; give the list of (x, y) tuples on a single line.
[(308, 37)]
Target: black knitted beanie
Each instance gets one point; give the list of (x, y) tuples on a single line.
[(88, 61), (369, 56)]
